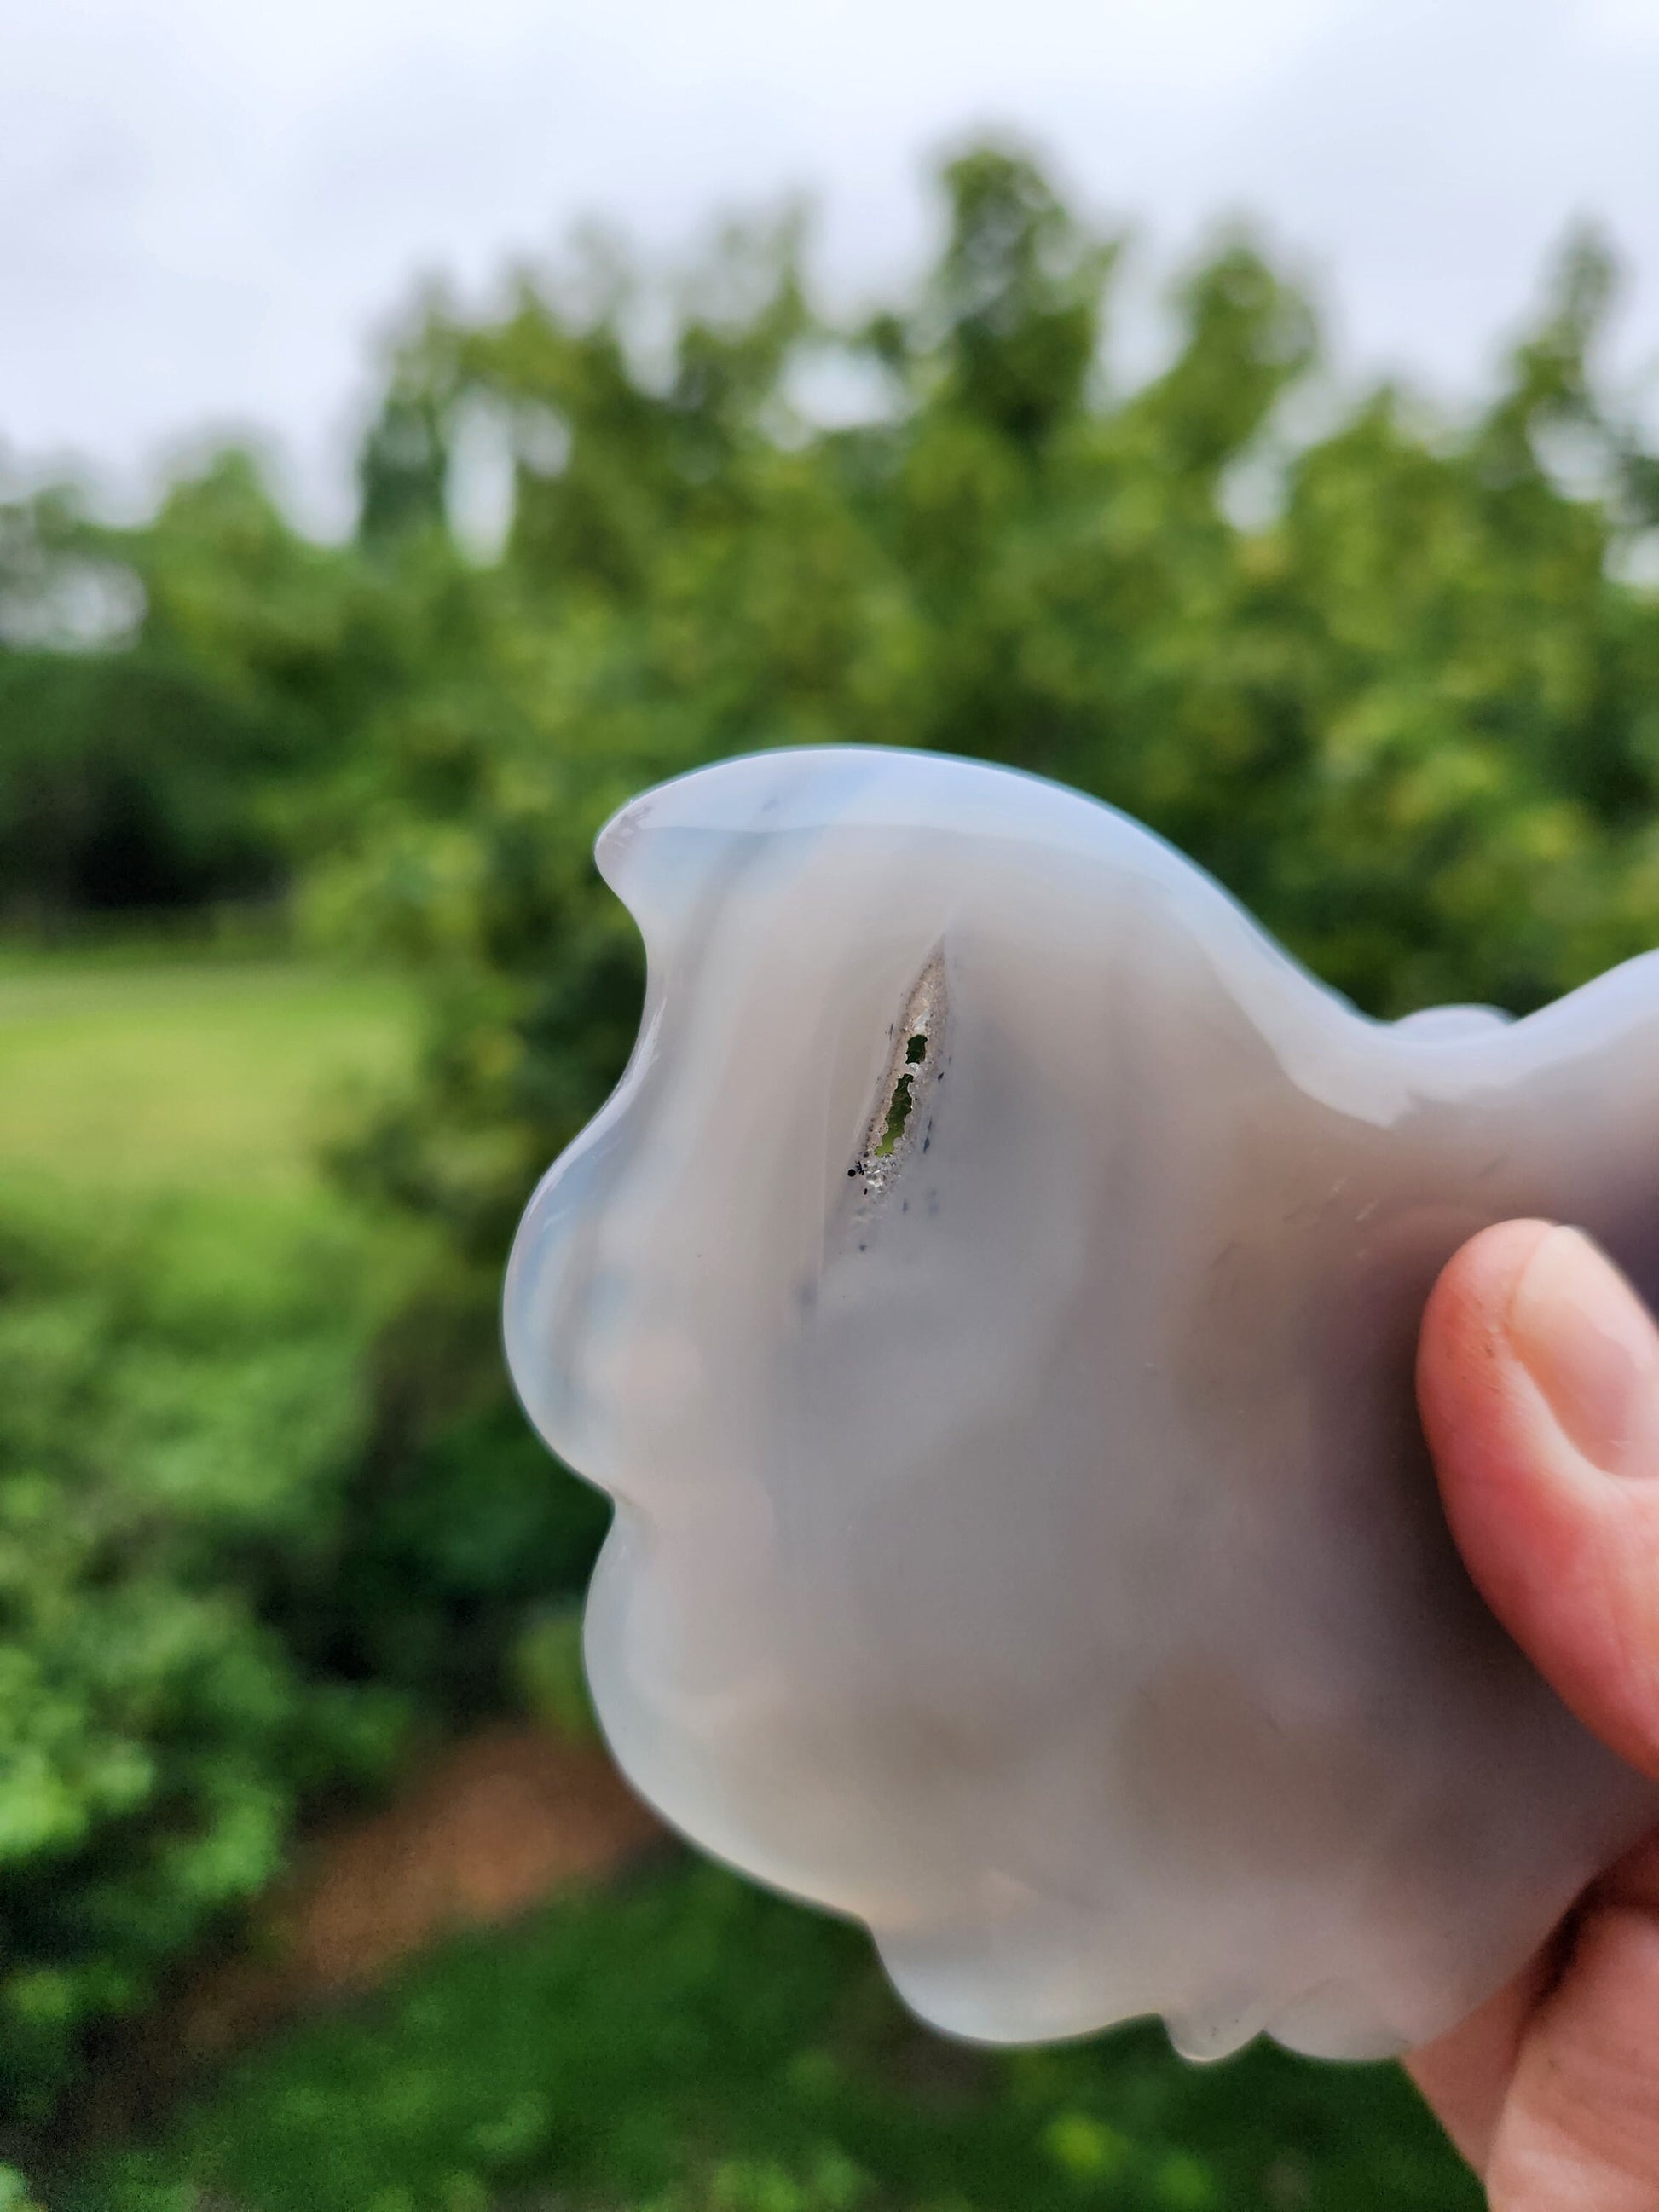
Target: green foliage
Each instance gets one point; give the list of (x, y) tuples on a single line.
[(551, 1675), (1408, 713), (695, 2046), (1408, 716), (455, 1537), (261, 1503), (122, 784), (178, 699), (179, 1419)]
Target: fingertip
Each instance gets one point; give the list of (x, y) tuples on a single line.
[(1462, 1348), (1538, 1382)]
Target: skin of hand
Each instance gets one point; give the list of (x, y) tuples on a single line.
[(1538, 1379)]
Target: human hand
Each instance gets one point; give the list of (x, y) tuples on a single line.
[(1538, 1379)]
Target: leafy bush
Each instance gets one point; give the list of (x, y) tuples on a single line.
[(182, 1414), (452, 1544), (261, 1514)]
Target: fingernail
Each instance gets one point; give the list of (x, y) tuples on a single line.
[(1590, 1345)]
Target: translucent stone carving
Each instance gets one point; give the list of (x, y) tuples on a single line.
[(990, 1299)]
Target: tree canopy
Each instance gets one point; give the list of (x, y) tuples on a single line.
[(1396, 683), (1407, 710)]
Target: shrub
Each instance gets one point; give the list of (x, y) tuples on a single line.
[(181, 1413)]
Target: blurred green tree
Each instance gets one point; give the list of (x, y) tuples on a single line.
[(1408, 716)]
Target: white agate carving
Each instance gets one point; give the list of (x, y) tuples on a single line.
[(990, 1298)]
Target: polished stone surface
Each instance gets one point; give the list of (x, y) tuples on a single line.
[(990, 1298)]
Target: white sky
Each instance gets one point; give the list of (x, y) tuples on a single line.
[(208, 206)]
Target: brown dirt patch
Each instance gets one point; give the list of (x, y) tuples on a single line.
[(498, 1822), (502, 1821), (492, 1825)]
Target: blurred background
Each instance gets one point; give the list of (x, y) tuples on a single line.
[(421, 427)]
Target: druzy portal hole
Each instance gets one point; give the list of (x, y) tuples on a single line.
[(904, 1096), (914, 1061)]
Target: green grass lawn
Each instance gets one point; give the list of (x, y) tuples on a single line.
[(687, 2044), (151, 1074)]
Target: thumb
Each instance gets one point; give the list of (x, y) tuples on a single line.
[(1538, 1378)]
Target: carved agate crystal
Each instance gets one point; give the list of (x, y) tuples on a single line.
[(990, 1299)]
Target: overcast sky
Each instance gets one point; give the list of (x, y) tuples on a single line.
[(208, 207)]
